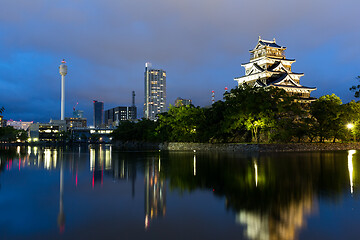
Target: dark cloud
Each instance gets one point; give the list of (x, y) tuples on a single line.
[(200, 43)]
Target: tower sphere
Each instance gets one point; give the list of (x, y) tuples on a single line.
[(63, 68)]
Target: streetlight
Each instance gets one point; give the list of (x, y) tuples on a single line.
[(350, 126)]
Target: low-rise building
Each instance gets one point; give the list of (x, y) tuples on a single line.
[(91, 134), (75, 122), (20, 125), (47, 132), (182, 102), (115, 115), (2, 121), (78, 114)]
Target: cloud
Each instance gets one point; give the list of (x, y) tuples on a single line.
[(200, 43)]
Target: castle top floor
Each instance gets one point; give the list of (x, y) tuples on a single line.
[(266, 48)]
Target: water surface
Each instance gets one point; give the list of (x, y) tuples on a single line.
[(100, 193)]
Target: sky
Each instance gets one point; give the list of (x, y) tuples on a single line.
[(200, 43)]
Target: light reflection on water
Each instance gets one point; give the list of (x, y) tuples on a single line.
[(252, 196)]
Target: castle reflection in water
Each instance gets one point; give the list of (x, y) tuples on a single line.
[(269, 202)]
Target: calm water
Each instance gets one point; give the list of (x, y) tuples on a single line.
[(100, 193)]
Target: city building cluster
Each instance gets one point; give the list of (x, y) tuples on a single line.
[(104, 122), (268, 67)]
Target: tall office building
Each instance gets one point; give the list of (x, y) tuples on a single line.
[(98, 113), (155, 92)]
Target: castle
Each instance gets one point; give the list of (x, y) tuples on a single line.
[(268, 66)]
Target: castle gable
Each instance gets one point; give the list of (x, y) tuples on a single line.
[(283, 79), (255, 68), (278, 66)]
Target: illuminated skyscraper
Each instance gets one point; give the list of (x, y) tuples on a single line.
[(155, 92), (98, 113)]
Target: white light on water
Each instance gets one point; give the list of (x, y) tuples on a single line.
[(351, 169), (194, 165), (256, 173), (92, 159)]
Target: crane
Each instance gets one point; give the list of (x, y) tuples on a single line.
[(75, 106)]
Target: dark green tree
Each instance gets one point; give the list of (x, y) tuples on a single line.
[(22, 135), (143, 130), (181, 124), (212, 128), (356, 88), (8, 134), (351, 117), (257, 110), (328, 115)]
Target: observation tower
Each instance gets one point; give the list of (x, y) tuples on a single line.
[(63, 72)]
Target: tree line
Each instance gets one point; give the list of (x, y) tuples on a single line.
[(248, 114), (10, 134)]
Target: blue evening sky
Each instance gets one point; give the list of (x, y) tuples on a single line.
[(200, 43)]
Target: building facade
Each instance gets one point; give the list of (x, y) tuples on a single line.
[(20, 125), (155, 92), (115, 115), (98, 113), (3, 121), (182, 102), (47, 132), (268, 67), (78, 114), (91, 134), (75, 123)]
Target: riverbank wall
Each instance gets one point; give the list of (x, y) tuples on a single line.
[(209, 147), (237, 147), (273, 147)]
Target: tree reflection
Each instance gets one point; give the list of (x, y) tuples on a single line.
[(270, 194)]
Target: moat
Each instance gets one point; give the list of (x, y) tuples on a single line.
[(99, 192)]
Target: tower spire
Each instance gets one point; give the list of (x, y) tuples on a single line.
[(133, 98), (63, 72)]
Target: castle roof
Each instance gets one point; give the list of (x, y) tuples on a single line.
[(267, 57), (269, 43), (277, 80), (275, 65)]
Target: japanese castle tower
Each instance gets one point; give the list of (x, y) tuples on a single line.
[(268, 66)]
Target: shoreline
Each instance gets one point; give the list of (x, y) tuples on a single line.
[(237, 147), (209, 147)]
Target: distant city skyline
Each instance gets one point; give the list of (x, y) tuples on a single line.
[(201, 46)]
